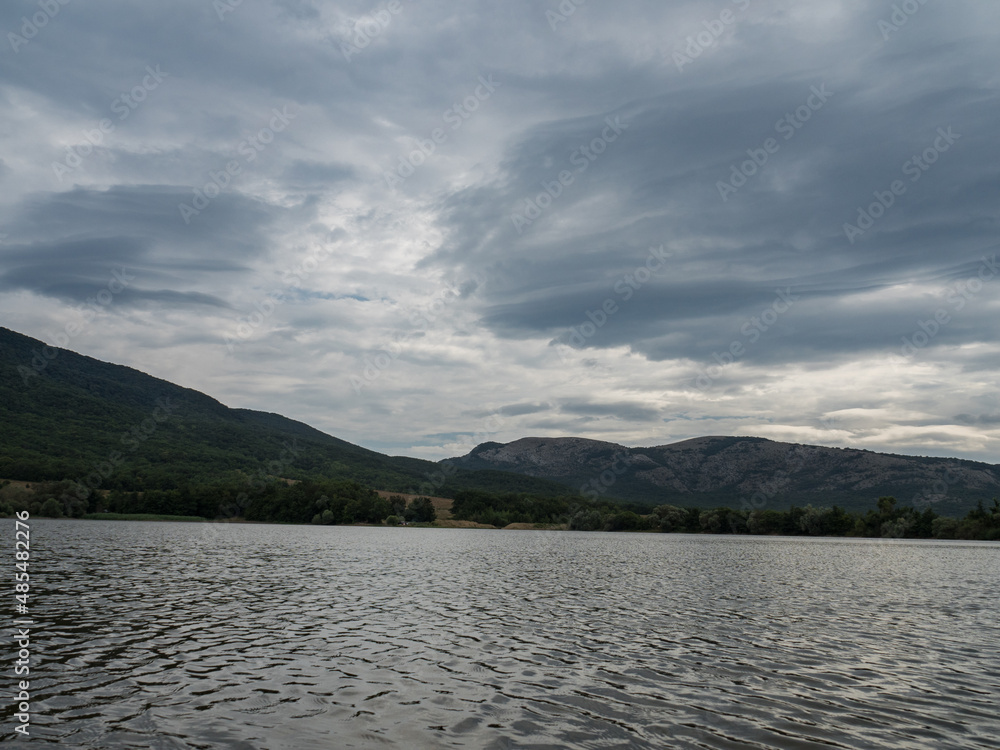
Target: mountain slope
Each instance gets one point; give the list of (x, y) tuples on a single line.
[(67, 416), (744, 472)]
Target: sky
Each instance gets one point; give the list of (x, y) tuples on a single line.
[(420, 225)]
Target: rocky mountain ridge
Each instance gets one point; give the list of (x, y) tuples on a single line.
[(750, 472)]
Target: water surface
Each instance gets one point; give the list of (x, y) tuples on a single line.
[(170, 635)]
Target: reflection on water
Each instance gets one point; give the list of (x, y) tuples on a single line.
[(162, 635)]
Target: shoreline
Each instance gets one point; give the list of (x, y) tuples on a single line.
[(452, 524)]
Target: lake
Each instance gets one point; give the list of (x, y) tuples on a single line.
[(173, 635)]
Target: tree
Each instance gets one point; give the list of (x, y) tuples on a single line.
[(815, 521), (421, 510), (670, 518), (897, 528), (586, 520), (793, 521), (625, 521), (51, 508), (765, 522), (978, 513), (713, 521), (398, 503), (736, 520), (923, 525), (839, 521), (886, 506), (944, 527)]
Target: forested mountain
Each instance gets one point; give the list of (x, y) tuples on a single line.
[(68, 416)]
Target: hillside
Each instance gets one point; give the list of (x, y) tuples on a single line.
[(712, 471), (68, 416)]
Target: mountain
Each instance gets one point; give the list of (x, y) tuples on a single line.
[(67, 416), (747, 472)]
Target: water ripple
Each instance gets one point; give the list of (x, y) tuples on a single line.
[(167, 636)]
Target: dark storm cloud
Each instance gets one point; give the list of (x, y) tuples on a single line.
[(633, 412), (230, 228), (517, 410), (511, 410), (781, 228), (77, 239), (76, 271)]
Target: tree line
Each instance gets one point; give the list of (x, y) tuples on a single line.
[(275, 502), (887, 519), (345, 502)]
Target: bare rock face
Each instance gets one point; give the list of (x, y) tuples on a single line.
[(728, 470)]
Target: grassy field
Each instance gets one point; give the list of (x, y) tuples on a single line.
[(451, 523), (536, 527), (442, 505)]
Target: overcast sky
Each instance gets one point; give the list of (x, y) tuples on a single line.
[(420, 225)]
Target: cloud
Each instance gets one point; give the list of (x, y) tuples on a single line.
[(517, 410), (983, 419), (631, 412), (513, 272), (317, 175)]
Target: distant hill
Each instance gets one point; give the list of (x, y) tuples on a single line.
[(67, 416), (713, 471)]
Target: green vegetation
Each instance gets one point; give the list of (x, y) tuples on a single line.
[(420, 510), (103, 427), (331, 502), (887, 520), (48, 499), (274, 501), (576, 512), (514, 507)]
